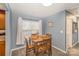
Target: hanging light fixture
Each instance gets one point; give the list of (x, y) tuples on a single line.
[(47, 4)]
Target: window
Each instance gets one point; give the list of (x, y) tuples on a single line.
[(31, 26)]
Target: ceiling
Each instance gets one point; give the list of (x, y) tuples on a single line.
[(38, 10)]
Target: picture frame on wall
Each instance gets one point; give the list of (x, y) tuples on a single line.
[(50, 23)]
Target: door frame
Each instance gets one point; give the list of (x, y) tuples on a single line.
[(68, 32), (7, 30), (71, 38)]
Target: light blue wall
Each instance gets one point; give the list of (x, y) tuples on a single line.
[(58, 39)]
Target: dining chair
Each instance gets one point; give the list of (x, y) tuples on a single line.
[(50, 43), (29, 47)]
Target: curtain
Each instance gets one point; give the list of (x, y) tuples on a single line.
[(20, 34)]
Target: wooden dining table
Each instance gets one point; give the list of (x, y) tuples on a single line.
[(43, 39), (40, 39)]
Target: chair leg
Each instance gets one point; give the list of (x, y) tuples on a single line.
[(50, 52), (26, 53), (34, 51)]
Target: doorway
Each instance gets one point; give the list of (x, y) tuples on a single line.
[(74, 31), (72, 34)]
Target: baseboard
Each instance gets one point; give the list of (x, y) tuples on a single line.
[(59, 49), (17, 49), (75, 44), (25, 46)]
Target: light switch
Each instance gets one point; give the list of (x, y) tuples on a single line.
[(75, 30), (61, 31)]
